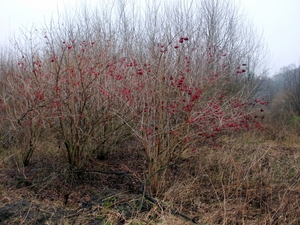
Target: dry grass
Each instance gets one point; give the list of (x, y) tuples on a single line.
[(252, 179), (248, 181)]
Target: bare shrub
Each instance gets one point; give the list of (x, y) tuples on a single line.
[(178, 75)]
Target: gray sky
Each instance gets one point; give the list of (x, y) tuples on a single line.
[(279, 20)]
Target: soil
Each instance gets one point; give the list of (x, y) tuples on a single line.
[(50, 192)]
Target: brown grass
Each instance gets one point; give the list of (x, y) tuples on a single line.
[(251, 179)]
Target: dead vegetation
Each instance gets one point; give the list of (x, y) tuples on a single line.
[(250, 180)]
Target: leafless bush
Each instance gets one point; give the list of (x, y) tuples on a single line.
[(178, 75)]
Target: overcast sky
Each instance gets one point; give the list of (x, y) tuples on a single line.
[(279, 20)]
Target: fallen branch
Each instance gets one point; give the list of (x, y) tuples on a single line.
[(99, 171)]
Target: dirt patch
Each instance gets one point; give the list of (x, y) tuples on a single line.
[(29, 212), (93, 211), (47, 191)]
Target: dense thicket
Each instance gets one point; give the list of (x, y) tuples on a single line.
[(173, 75)]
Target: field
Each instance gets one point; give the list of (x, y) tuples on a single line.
[(147, 114), (250, 180)]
